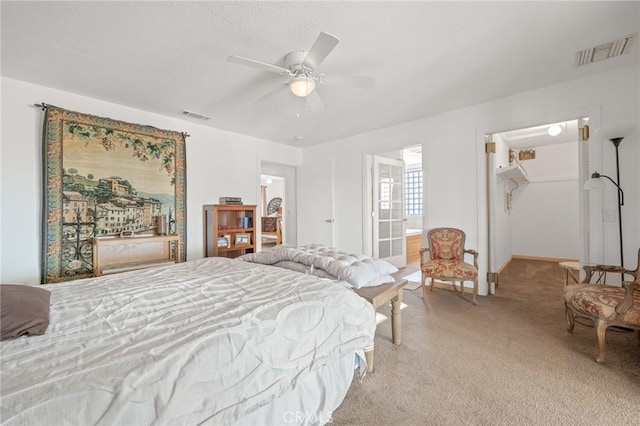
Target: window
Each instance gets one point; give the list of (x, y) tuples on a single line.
[(413, 191)]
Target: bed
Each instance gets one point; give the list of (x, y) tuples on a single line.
[(214, 340), (320, 260)]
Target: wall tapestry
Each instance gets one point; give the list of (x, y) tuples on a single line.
[(103, 177)]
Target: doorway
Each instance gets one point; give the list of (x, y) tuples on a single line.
[(272, 224), (280, 182), (392, 215), (534, 198)]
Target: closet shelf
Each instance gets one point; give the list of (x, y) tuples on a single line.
[(515, 172)]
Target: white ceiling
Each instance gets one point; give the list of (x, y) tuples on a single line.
[(426, 57)]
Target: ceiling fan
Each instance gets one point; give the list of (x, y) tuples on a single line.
[(302, 66)]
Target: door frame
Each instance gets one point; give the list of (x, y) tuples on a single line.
[(288, 172), (592, 232), (367, 204)]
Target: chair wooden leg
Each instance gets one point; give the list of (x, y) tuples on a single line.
[(424, 286), (601, 330), (571, 322), (475, 291), (455, 287), (460, 291), (433, 281)]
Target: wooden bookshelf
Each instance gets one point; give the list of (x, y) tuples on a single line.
[(226, 221)]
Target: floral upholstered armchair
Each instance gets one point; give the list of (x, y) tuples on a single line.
[(605, 305), (446, 260)]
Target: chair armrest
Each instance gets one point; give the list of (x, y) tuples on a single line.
[(627, 302), (475, 256), (424, 250), (590, 270)]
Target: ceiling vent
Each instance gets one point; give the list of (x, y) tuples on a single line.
[(604, 51), (191, 114)]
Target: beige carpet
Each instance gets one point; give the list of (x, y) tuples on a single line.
[(414, 280), (509, 360)]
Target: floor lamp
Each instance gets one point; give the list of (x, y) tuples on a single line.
[(596, 183)]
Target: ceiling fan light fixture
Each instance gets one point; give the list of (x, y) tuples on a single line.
[(302, 86)]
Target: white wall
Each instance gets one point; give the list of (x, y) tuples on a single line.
[(545, 220), (273, 190), (545, 211), (544, 216), (219, 163), (453, 147)]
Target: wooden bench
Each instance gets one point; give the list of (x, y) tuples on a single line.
[(378, 296)]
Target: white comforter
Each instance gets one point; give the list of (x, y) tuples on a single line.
[(358, 270), (208, 340)]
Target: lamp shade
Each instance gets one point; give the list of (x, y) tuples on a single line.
[(594, 183), (302, 86)]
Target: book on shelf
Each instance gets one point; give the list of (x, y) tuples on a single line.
[(231, 200)]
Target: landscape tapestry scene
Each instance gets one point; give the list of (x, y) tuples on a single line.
[(107, 177)]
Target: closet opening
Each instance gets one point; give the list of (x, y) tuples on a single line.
[(534, 198)]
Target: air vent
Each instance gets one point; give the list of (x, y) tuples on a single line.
[(604, 51), (191, 114)]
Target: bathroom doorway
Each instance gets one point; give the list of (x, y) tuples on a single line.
[(394, 205)]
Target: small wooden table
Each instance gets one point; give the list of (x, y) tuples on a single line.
[(113, 254), (570, 269), (378, 296)]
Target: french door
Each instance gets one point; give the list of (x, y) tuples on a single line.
[(389, 221)]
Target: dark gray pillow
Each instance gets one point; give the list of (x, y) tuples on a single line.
[(23, 310)]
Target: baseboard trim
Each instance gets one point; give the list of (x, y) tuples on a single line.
[(540, 258), (504, 265), (544, 259)]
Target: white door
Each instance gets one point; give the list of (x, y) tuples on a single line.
[(389, 222), (315, 203)]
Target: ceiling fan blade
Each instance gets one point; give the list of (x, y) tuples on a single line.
[(348, 80), (315, 103), (323, 45), (257, 64)]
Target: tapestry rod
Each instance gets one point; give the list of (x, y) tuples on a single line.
[(44, 106)]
